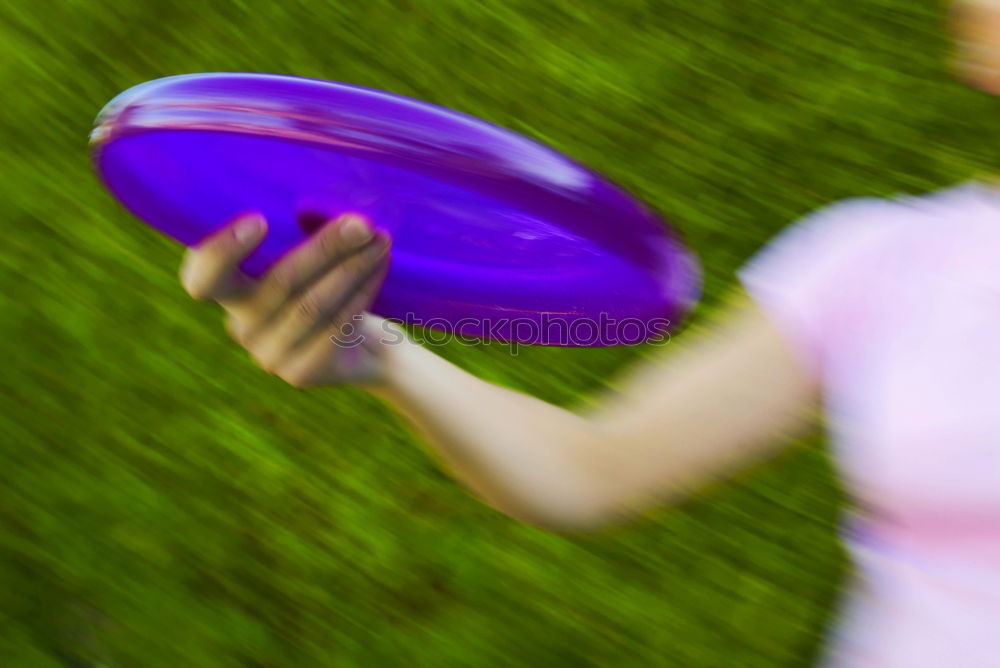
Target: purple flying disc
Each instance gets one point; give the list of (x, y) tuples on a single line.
[(494, 235)]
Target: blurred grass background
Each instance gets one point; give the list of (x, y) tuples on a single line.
[(163, 503)]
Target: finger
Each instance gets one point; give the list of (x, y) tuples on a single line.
[(343, 351), (315, 308), (333, 243), (346, 290), (236, 328), (211, 269)]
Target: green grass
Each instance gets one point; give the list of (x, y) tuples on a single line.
[(164, 503)]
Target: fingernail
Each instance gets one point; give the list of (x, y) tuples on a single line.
[(381, 245), (355, 229), (249, 228)]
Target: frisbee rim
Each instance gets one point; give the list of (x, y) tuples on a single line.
[(672, 264)]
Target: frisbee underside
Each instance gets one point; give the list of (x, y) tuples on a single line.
[(494, 236)]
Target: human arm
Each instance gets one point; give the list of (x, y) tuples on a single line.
[(697, 410), (700, 408)]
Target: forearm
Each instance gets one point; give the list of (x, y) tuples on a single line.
[(530, 459), (726, 399)]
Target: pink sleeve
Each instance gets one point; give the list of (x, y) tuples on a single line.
[(808, 276)]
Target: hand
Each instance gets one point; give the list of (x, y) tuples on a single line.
[(304, 321)]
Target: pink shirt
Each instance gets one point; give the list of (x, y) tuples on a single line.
[(894, 305)]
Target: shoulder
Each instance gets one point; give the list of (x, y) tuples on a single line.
[(830, 241), (845, 235), (816, 277), (846, 225)]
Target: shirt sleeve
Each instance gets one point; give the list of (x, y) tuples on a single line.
[(810, 277)]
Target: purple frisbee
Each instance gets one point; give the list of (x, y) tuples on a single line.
[(494, 235)]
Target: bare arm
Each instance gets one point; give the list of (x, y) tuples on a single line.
[(703, 407)]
